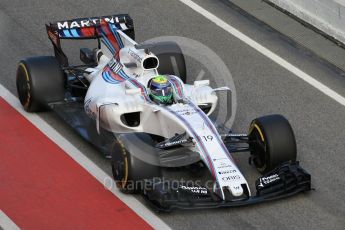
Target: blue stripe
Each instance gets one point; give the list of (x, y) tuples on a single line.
[(74, 33), (213, 129), (108, 78), (123, 74), (119, 40), (138, 85), (67, 33), (175, 83), (107, 44), (117, 36), (107, 74), (180, 86), (104, 75), (175, 88), (202, 146)]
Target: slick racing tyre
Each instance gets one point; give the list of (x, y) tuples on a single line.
[(40, 80), (130, 172), (171, 59), (272, 142)]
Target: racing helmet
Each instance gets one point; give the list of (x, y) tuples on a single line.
[(160, 90)]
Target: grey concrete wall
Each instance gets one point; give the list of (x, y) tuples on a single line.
[(326, 15)]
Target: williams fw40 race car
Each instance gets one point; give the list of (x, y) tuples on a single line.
[(132, 102)]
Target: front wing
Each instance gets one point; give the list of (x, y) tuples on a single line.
[(286, 180)]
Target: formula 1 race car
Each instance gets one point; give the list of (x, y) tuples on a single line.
[(132, 102)]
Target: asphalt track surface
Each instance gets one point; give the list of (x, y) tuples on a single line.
[(263, 87)]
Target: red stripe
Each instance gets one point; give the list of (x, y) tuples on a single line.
[(113, 74), (88, 32), (110, 36), (139, 85), (207, 156), (43, 188), (116, 77), (214, 131), (199, 141), (177, 86)]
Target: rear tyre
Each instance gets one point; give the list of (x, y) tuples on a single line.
[(40, 80), (171, 59), (130, 172), (272, 142)]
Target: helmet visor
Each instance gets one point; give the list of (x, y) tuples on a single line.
[(163, 99), (167, 91)]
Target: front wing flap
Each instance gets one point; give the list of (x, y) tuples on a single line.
[(286, 180)]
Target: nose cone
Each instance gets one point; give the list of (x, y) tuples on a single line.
[(236, 190)]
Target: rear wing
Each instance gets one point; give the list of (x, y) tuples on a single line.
[(85, 28)]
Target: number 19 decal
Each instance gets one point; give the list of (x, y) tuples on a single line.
[(208, 138)]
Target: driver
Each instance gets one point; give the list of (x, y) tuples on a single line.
[(161, 90)]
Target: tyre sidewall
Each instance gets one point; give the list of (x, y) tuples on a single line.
[(279, 140), (135, 171), (46, 80)]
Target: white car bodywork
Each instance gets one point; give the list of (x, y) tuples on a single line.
[(116, 90)]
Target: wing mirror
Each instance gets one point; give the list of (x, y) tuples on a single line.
[(201, 83), (224, 88), (135, 91)]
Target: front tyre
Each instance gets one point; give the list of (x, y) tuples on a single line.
[(272, 142), (130, 172)]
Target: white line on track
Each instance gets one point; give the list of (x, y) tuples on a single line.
[(263, 50), (83, 161), (6, 223)]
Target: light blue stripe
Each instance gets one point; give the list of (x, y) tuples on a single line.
[(104, 35), (112, 48), (113, 29), (117, 36), (123, 74), (109, 45), (176, 83), (67, 33), (108, 79), (106, 43), (201, 145), (138, 85), (74, 33), (174, 86), (213, 130), (105, 77)]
